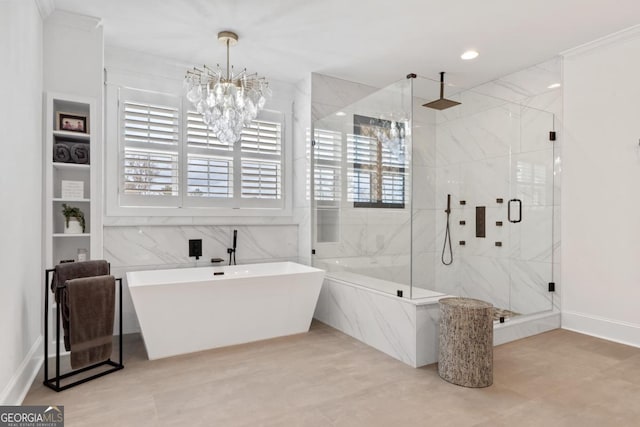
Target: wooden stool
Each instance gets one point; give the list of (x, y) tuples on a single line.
[(466, 342)]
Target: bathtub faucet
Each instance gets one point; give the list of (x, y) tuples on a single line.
[(232, 251)]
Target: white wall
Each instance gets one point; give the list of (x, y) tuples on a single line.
[(21, 186), (601, 194)]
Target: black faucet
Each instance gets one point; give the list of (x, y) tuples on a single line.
[(232, 251)]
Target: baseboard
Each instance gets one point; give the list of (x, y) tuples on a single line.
[(15, 392), (601, 327)]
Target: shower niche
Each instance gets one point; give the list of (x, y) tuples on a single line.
[(386, 169)]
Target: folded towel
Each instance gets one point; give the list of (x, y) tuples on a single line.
[(69, 271), (80, 153), (91, 312), (61, 153)]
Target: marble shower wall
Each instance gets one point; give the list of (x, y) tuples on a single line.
[(374, 242), (487, 149)]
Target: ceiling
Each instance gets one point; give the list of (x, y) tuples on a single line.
[(375, 42)]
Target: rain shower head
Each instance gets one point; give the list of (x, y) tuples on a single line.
[(442, 103)]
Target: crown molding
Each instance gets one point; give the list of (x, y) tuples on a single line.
[(74, 20), (618, 36), (45, 7)]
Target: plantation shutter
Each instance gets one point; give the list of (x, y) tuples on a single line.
[(245, 174), (362, 156), (209, 166), (149, 144), (327, 167), (260, 146)]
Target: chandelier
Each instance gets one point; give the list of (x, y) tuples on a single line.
[(227, 101), (391, 134)]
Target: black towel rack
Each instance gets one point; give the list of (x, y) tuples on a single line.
[(54, 382)]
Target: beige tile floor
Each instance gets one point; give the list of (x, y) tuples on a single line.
[(325, 378)]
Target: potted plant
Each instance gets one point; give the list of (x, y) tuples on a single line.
[(74, 220)]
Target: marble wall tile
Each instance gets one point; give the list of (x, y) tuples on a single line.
[(423, 272), (424, 187), (423, 230), (448, 181), (529, 286), (398, 328), (387, 324), (482, 182), (532, 239), (485, 278), (337, 92), (473, 102), (427, 334), (535, 127), (526, 83), (160, 245), (532, 177)]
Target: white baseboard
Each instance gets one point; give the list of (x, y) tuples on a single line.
[(601, 327), (17, 388)]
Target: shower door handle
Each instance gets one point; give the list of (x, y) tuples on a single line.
[(519, 210)]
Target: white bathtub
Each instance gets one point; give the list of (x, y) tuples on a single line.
[(191, 309)]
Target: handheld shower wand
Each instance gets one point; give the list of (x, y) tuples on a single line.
[(232, 251), (447, 235)]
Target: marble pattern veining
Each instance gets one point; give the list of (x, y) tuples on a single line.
[(398, 328), (495, 145)]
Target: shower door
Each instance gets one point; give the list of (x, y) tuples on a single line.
[(530, 213)]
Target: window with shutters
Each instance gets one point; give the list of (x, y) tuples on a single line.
[(327, 167), (376, 176), (170, 158), (150, 149)]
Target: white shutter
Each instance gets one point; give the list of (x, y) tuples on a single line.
[(209, 166), (362, 156), (262, 137), (210, 177), (149, 125), (327, 166), (260, 179), (260, 153)]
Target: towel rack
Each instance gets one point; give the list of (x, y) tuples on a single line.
[(54, 382)]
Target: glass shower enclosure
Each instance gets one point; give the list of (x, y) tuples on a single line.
[(390, 176)]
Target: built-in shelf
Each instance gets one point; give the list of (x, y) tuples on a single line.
[(58, 199), (72, 135), (71, 235), (70, 166)]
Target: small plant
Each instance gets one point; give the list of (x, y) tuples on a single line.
[(71, 212)]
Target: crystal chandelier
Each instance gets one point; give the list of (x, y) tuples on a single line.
[(391, 134), (227, 101)]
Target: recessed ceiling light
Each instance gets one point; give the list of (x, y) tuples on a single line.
[(554, 85), (341, 113), (470, 54)]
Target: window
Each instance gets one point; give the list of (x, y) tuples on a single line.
[(327, 167), (375, 152), (149, 161), (170, 158)]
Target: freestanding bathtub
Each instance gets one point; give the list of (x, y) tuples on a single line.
[(191, 309)]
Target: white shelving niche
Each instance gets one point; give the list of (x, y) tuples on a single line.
[(70, 155)]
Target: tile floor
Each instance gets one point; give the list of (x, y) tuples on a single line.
[(326, 378)]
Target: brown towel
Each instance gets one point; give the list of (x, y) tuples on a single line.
[(91, 311), (69, 271)]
